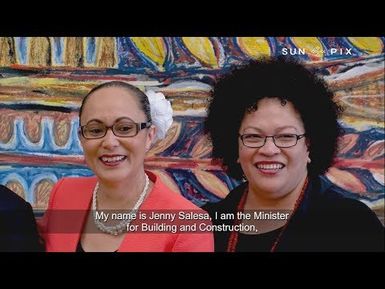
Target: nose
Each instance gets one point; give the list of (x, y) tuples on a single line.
[(269, 148), (110, 140)]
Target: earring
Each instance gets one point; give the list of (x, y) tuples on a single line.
[(308, 160)]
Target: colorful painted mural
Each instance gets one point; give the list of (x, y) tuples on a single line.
[(43, 79)]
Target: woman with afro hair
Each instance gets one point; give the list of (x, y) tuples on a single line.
[(273, 123)]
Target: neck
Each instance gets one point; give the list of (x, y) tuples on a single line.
[(257, 201), (117, 195)]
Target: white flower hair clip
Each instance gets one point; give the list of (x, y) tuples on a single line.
[(161, 113)]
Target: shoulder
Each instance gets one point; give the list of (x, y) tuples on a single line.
[(72, 191), (74, 184), (327, 194), (17, 224), (76, 181), (333, 201), (10, 200), (351, 209)]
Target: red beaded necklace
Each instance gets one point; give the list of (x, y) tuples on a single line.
[(233, 239)]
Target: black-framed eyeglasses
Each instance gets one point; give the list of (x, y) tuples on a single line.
[(285, 140), (123, 127)]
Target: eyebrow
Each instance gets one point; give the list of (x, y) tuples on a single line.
[(116, 120), (277, 129)]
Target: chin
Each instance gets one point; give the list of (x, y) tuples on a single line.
[(273, 187), (113, 177)]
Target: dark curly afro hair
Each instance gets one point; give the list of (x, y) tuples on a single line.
[(238, 91)]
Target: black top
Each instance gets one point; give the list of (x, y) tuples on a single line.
[(18, 232), (324, 221), (257, 242)]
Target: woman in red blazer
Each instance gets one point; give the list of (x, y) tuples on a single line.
[(124, 207)]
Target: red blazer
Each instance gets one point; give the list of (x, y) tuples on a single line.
[(70, 201)]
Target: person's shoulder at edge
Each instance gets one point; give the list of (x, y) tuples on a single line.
[(18, 226), (10, 200)]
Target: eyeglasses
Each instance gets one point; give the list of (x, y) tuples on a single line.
[(286, 140), (123, 127)]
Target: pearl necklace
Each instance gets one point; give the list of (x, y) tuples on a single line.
[(121, 227)]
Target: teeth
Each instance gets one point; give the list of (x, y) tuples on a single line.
[(270, 166), (113, 159)]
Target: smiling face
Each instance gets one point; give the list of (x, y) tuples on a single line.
[(112, 158), (273, 172)]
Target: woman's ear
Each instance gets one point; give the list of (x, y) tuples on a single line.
[(307, 143), (150, 137)]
